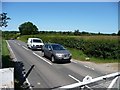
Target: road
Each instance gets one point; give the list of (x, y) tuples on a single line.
[(46, 74)]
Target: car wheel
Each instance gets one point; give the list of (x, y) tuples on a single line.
[(69, 61), (28, 47), (53, 59), (43, 54)]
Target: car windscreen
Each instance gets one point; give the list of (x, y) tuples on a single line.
[(58, 47), (37, 41)]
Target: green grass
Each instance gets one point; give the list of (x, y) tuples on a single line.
[(79, 55), (6, 61), (5, 50), (100, 60)]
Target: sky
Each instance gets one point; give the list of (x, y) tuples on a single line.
[(64, 16), (60, 0)]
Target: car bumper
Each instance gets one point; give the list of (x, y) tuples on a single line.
[(37, 47), (61, 59)]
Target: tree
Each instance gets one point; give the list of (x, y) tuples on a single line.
[(28, 28), (3, 20), (76, 32)]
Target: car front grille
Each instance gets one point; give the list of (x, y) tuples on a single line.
[(66, 55), (39, 46)]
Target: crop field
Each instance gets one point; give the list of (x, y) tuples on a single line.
[(103, 48)]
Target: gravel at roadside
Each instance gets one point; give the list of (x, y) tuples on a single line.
[(103, 67)]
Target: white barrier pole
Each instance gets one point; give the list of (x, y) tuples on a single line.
[(92, 81)]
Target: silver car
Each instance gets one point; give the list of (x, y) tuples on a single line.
[(56, 52)]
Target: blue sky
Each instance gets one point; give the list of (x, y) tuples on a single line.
[(64, 16)]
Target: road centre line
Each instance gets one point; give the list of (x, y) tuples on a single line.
[(92, 68), (74, 78), (42, 58), (89, 67), (74, 61), (78, 81), (25, 48), (18, 44), (86, 66), (112, 83), (38, 83), (88, 87)]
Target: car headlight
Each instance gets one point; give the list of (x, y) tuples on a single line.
[(59, 55)]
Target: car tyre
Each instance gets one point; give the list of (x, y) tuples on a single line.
[(43, 54), (53, 59), (27, 46)]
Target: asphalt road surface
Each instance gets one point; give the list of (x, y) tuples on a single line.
[(46, 74)]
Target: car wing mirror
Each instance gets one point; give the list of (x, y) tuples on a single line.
[(49, 49)]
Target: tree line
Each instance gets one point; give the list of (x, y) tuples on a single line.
[(28, 28)]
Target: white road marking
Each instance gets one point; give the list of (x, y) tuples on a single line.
[(25, 48), (42, 58), (77, 81), (74, 85), (89, 67), (92, 68), (88, 87), (112, 83), (38, 83), (73, 78), (18, 44), (15, 59), (86, 66)]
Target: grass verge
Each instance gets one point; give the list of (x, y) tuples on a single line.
[(7, 62), (79, 55)]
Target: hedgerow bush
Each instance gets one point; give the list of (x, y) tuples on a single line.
[(93, 46)]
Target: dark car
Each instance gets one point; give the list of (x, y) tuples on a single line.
[(56, 52)]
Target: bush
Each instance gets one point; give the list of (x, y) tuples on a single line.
[(105, 47)]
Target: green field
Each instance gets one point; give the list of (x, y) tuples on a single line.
[(100, 49)]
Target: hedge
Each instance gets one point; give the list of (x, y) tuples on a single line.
[(97, 46)]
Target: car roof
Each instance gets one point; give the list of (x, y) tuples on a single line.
[(34, 38)]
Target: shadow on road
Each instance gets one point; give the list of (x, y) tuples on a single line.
[(19, 72), (58, 62), (63, 62)]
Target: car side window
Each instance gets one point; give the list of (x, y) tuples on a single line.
[(49, 47), (31, 40), (46, 46)]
